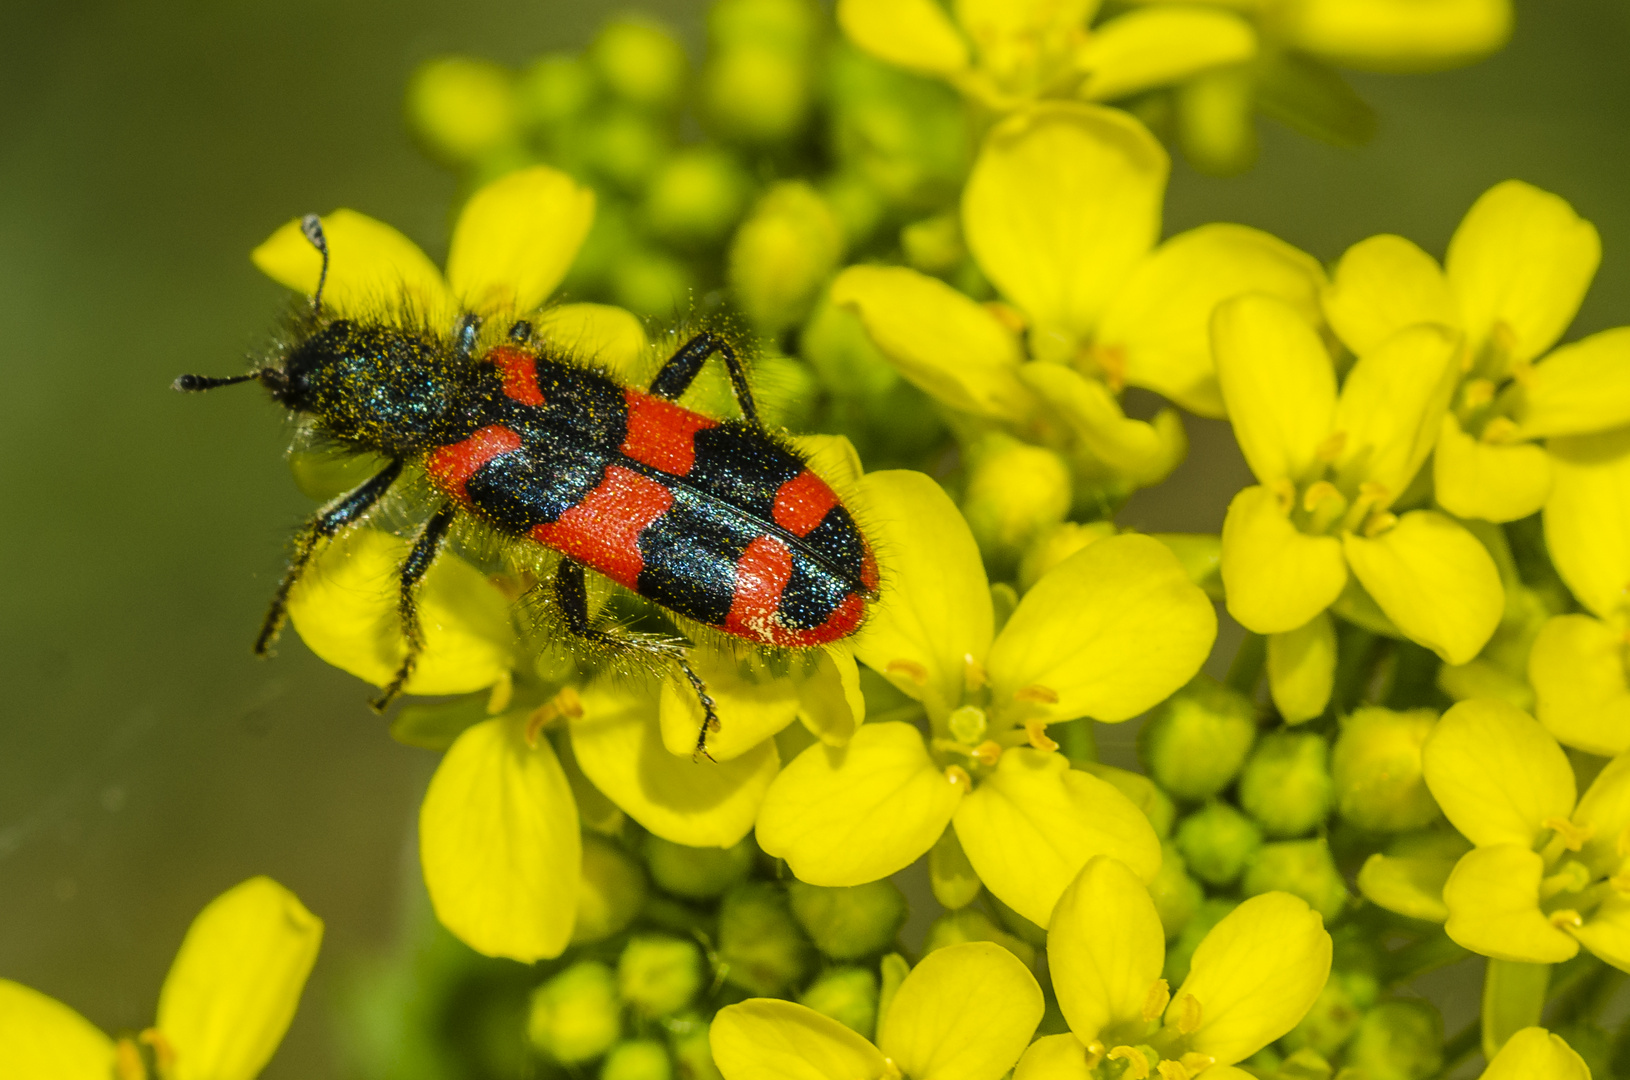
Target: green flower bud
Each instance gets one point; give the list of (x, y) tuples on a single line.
[(906, 136), (640, 62), (1176, 895), (1214, 121), (637, 1059), (1180, 952), (1330, 1023), (791, 26), (1398, 1040), (835, 342), (857, 203), (649, 282), (574, 1016), (1196, 740), (612, 891), (848, 995), (1015, 491), (555, 90), (788, 246), (1286, 784), (934, 244), (950, 874), (971, 924), (696, 873), (1216, 842), (625, 146), (1302, 868), (849, 923), (608, 246), (1052, 546), (687, 1037), (659, 975), (760, 947), (696, 196), (785, 389), (1376, 767), (754, 94), (1305, 1064), (462, 109)]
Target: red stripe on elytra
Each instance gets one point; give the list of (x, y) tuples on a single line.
[(802, 502), (519, 369), (662, 434), (603, 529), (762, 574), (451, 466)]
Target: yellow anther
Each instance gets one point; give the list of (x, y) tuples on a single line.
[(1567, 918), (1573, 836), (1172, 1070), (1503, 337), (1137, 1066), (1188, 1014), (1379, 523), (567, 703), (1156, 1000), (163, 1051), (1476, 393), (958, 777), (891, 1071), (1009, 316), (973, 674), (127, 1062), (910, 669), (1332, 446), (1373, 493), (987, 752), (1196, 1062), (1500, 431), (502, 691), (1110, 360), (1095, 1053), (1036, 731), (1041, 695), (1318, 493), (1284, 494)]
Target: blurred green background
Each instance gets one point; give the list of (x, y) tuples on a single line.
[(147, 761)]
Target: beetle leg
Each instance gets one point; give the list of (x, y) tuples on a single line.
[(424, 552), (571, 592), (682, 368), (331, 520)]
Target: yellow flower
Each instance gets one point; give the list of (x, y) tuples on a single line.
[(1546, 875), (1518, 267), (1106, 633), (1535, 1054), (225, 1005), (1252, 979), (1331, 466), (965, 1012), (1578, 666), (1062, 212)]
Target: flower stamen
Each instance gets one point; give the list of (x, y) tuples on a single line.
[(910, 669), (1137, 1066), (1188, 1014), (1156, 1000), (1036, 731), (1573, 836)]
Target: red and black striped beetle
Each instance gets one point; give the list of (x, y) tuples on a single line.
[(714, 520)]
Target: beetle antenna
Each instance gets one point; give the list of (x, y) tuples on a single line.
[(312, 227), (209, 382)]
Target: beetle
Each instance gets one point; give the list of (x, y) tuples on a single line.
[(715, 521)]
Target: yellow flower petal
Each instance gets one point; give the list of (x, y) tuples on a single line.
[(823, 810), (1062, 202), (752, 705), (1382, 285), (1535, 1054), (1030, 826), (1111, 631), (1055, 1057), (1400, 35), (1277, 382), (935, 611), (1606, 931), (345, 608), (1581, 692), (1521, 258), (766, 1039), (516, 238), (1433, 580), (966, 1012), (1496, 773), (596, 334), (1302, 669), (236, 981), (1105, 948), (618, 742), (1411, 885), (1161, 320), (1493, 481), (1587, 518), (831, 457), (1255, 976), (1579, 388), (371, 266), (499, 843), (941, 341), (1604, 810), (43, 1039), (1141, 450), (1493, 899), (913, 34), (1275, 576), (1158, 46), (830, 702), (1392, 406)]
